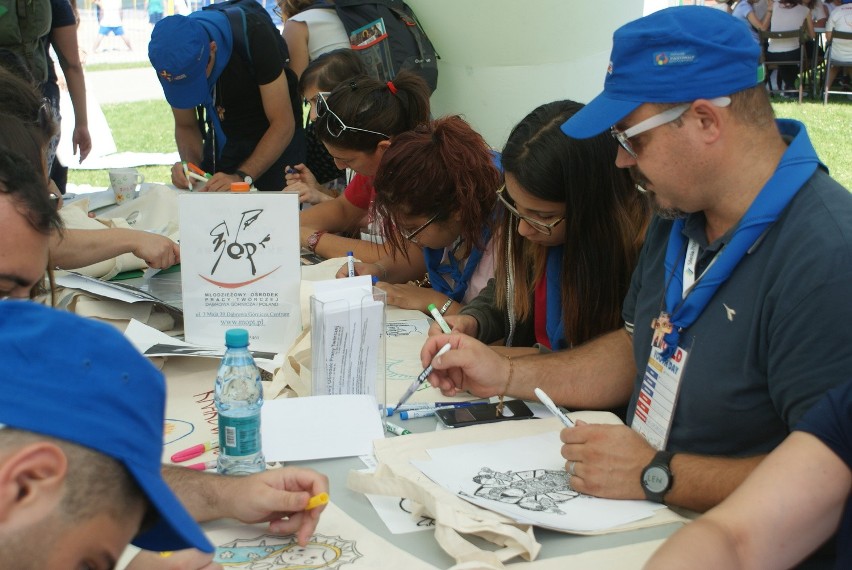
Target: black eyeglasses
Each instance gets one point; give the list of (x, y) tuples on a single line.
[(535, 224), (337, 127), (412, 236)]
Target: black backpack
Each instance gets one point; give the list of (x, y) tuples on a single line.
[(388, 37), (238, 11)]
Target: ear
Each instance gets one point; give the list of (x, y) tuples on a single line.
[(32, 480), (382, 147), (710, 119)]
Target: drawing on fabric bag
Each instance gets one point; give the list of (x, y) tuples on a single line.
[(397, 369), (271, 552), (175, 430), (424, 521), (534, 489)]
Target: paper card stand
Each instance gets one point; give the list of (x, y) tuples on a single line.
[(240, 267), (348, 346)]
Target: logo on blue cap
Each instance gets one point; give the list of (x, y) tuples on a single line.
[(681, 57)]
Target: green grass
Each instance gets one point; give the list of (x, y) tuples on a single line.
[(144, 126), (148, 126), (829, 129), (121, 65)]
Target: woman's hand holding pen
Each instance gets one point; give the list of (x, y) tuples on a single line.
[(464, 324)]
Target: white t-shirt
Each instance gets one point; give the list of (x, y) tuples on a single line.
[(111, 13), (841, 21), (784, 20), (325, 31)]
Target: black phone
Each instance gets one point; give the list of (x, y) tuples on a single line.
[(483, 414)]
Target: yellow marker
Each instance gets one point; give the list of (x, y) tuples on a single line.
[(316, 501), (166, 554)]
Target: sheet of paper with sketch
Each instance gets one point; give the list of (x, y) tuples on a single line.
[(525, 479)]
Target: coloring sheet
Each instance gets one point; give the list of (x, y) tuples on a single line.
[(525, 479), (339, 542)]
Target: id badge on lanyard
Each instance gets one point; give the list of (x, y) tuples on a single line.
[(661, 383), (657, 398)]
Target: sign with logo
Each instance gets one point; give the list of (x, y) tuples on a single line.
[(240, 268)]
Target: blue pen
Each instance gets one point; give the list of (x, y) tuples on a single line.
[(290, 170), (350, 261), (430, 409)]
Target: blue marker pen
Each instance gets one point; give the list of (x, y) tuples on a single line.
[(290, 170), (350, 261), (412, 414)]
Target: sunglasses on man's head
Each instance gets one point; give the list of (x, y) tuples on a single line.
[(334, 125)]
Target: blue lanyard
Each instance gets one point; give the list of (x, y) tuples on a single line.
[(460, 277), (555, 325), (797, 165)]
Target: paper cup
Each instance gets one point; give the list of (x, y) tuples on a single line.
[(124, 182)]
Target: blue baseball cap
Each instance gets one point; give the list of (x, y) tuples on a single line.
[(98, 392), (676, 55), (179, 50)]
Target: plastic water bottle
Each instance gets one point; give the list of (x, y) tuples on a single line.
[(239, 396)]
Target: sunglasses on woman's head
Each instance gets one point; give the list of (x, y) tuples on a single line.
[(334, 125)]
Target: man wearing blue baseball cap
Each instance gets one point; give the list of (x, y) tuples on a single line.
[(80, 446), (239, 81), (82, 432), (737, 318)]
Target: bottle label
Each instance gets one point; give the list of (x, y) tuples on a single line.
[(239, 436)]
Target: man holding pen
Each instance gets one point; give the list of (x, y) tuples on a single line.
[(737, 318), (251, 125), (83, 476)]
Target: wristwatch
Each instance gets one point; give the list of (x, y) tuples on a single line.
[(245, 177), (313, 240), (657, 477)]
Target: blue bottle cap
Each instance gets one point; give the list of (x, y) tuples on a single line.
[(236, 338)]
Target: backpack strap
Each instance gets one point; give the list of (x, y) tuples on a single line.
[(237, 18)]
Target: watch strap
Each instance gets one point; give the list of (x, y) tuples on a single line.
[(245, 177)]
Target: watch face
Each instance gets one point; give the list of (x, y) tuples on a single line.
[(655, 479)]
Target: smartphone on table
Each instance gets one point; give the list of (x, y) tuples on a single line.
[(483, 414)]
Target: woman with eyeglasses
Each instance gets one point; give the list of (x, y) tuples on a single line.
[(355, 122), (321, 76), (435, 190), (570, 234)]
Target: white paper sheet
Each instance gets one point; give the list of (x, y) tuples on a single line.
[(523, 478), (319, 427), (151, 342)]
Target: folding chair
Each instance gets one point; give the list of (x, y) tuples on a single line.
[(828, 63), (798, 63)]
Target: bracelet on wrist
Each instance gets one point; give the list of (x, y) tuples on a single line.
[(506, 387), (446, 306)]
